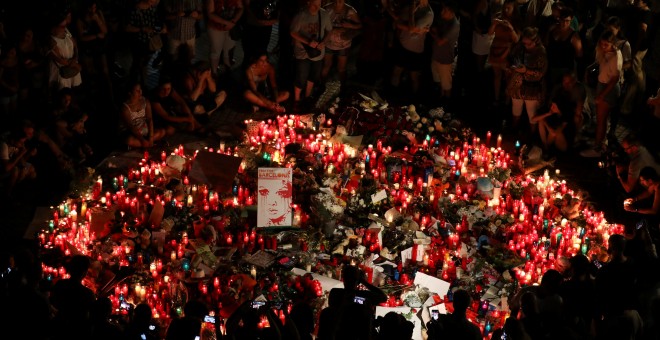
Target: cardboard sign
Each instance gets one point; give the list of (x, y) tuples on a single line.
[(275, 191), (215, 169)]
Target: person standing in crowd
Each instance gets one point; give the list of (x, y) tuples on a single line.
[(563, 46), (63, 52), (455, 325), (92, 36), (137, 121), (529, 64), (32, 61), (610, 63), (310, 30), (637, 31), (445, 36), (73, 301), (145, 27), (9, 80), (345, 24), (223, 15), (181, 17), (483, 32), (356, 314), (506, 30), (261, 16), (412, 23)]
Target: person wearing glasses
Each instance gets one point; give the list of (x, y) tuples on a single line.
[(640, 157)]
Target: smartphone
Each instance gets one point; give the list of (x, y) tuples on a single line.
[(359, 300), (639, 225), (209, 318), (435, 314), (258, 304), (125, 306), (598, 264), (504, 336)]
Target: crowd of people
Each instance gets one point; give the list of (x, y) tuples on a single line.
[(570, 66), (567, 64)]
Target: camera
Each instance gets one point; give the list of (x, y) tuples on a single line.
[(359, 300), (209, 318), (258, 304)]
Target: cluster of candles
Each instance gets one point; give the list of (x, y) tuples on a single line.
[(534, 236)]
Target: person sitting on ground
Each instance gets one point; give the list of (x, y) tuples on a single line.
[(559, 126), (455, 325), (137, 121), (200, 90), (261, 82), (77, 145), (171, 111), (14, 155), (639, 158)]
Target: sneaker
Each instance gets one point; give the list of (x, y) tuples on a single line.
[(591, 153)]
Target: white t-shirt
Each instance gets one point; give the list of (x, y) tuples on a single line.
[(610, 65)]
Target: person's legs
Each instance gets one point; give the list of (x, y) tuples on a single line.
[(342, 60), (302, 73), (215, 48), (282, 96), (314, 76), (497, 82), (173, 45), (532, 106), (516, 111), (395, 79), (254, 99), (327, 65), (446, 79), (544, 133), (602, 115), (227, 47), (414, 80)]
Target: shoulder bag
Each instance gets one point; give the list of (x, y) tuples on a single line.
[(313, 52)]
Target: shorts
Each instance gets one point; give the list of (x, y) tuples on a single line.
[(442, 73), (340, 53), (307, 71), (612, 98), (409, 60)]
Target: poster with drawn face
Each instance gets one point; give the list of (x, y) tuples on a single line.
[(275, 191)]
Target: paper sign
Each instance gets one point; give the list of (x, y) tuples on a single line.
[(434, 284), (275, 189), (417, 331), (215, 169), (406, 255), (379, 196), (327, 283)]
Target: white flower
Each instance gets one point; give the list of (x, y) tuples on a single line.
[(424, 120), (431, 129)]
